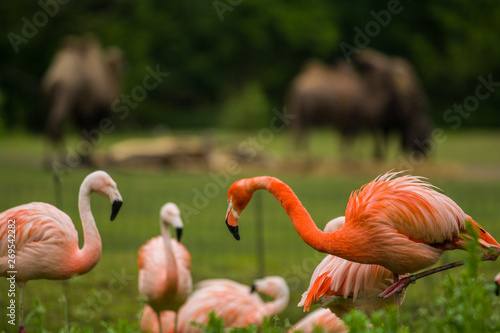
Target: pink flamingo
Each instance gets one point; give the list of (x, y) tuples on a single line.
[(164, 269), (342, 285), (497, 284), (402, 224), (235, 303), (46, 241), (322, 318)]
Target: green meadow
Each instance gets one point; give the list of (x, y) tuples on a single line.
[(465, 165)]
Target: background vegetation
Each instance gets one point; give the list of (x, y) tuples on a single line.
[(230, 64), (463, 167), (215, 50)]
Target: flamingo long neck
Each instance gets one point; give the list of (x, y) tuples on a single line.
[(88, 256), (302, 221), (278, 305), (171, 272)]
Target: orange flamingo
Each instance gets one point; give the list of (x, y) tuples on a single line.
[(235, 303), (322, 318), (46, 241), (341, 285), (401, 223), (164, 269)]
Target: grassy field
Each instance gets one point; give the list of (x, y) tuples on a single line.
[(466, 166)]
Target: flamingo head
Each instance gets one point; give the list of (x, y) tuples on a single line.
[(238, 198), (488, 243), (171, 216), (102, 183)]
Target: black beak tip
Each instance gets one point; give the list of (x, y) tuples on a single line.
[(497, 289), (178, 231), (253, 288), (234, 231), (115, 208)]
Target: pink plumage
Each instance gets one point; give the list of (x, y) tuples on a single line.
[(46, 241), (342, 285), (164, 268), (235, 303), (322, 318)]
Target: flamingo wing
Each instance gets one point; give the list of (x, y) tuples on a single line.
[(39, 228), (152, 265), (407, 205), (339, 279)]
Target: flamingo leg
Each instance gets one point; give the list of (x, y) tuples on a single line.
[(405, 282), (397, 298), (158, 314), (21, 309)]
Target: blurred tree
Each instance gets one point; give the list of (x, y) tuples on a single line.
[(212, 49)]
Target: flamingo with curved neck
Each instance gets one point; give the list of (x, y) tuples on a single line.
[(46, 241), (164, 270), (238, 305), (400, 223)]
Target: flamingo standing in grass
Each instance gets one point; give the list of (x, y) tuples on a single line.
[(164, 270), (238, 305), (46, 241), (401, 223), (341, 285)]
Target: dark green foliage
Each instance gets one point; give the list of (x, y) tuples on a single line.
[(213, 55)]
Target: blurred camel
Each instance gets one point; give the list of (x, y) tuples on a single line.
[(81, 83), (379, 93)]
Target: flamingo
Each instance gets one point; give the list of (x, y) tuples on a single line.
[(164, 269), (46, 241), (236, 303), (400, 223), (341, 285), (497, 284), (322, 318)]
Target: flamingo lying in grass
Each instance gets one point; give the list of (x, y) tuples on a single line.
[(341, 285), (44, 239), (164, 270), (238, 305), (323, 319), (401, 223)]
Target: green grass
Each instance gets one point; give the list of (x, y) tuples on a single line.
[(466, 167)]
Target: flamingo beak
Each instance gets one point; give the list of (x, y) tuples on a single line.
[(253, 288), (232, 224), (115, 208), (497, 289), (178, 232)]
